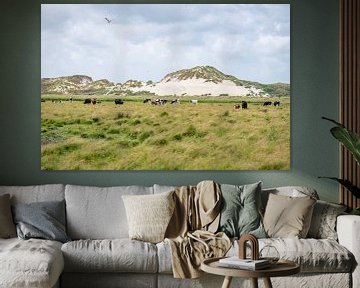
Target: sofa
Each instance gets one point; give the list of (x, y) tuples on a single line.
[(99, 252)]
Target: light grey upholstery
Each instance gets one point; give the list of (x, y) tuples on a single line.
[(117, 255), (30, 263), (35, 193), (98, 212), (108, 280)]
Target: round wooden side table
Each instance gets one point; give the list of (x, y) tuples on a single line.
[(281, 268)]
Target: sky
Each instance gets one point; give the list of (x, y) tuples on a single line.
[(147, 41)]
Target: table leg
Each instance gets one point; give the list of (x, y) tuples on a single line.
[(227, 282), (254, 282), (267, 283)]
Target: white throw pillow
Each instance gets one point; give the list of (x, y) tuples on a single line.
[(149, 215)]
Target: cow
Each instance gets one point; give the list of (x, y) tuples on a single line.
[(148, 100), (237, 106), (194, 102), (87, 101), (94, 101), (119, 102), (267, 103), (175, 101), (277, 103), (244, 105), (159, 101)]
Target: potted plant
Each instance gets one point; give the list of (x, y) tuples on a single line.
[(351, 141)]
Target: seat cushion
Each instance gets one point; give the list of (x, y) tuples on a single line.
[(117, 255), (313, 255), (30, 263)]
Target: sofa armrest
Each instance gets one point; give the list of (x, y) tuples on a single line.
[(348, 230)]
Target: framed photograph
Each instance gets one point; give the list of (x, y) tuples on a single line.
[(165, 86)]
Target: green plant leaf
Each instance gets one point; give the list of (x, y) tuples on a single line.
[(348, 185), (348, 138)]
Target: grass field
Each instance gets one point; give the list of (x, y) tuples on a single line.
[(136, 136)]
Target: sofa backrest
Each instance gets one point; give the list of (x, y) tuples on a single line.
[(35, 193), (98, 212)]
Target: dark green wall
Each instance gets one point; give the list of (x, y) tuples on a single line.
[(314, 92)]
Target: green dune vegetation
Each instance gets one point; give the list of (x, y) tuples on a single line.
[(210, 135)]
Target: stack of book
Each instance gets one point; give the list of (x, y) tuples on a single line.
[(248, 264)]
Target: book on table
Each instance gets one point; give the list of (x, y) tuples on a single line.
[(249, 264)]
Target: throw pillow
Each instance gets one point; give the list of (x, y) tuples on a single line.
[(7, 226), (43, 220), (288, 217), (240, 213), (323, 222), (149, 215)]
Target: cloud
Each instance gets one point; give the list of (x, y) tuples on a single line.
[(146, 41)]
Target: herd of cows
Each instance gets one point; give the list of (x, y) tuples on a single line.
[(242, 105)]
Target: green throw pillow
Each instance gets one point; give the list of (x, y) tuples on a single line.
[(240, 212)]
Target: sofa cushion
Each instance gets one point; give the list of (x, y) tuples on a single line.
[(149, 215), (240, 210), (287, 216), (291, 191), (116, 255), (313, 255), (35, 193), (30, 263), (323, 222), (98, 212), (7, 226), (43, 220)]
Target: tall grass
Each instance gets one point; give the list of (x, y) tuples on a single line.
[(207, 136)]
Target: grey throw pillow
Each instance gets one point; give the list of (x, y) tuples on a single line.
[(7, 226), (323, 222), (44, 220), (240, 213)]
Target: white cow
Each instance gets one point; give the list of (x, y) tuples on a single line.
[(194, 101)]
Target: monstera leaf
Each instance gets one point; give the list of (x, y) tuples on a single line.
[(348, 185), (351, 141), (348, 138)]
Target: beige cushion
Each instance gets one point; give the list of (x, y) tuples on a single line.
[(7, 226), (287, 217), (149, 215)]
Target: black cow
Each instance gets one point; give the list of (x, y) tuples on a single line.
[(148, 100), (119, 102), (244, 105), (87, 101), (277, 103), (267, 103)]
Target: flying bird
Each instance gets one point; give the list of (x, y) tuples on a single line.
[(108, 20)]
